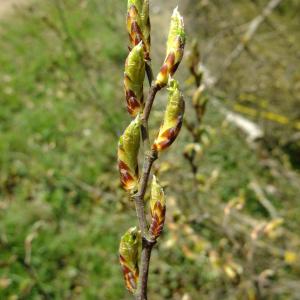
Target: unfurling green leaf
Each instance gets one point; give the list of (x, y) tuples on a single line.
[(128, 150), (175, 49), (138, 24), (173, 118), (129, 255), (157, 208), (134, 79)]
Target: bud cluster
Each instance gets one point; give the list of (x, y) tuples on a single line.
[(138, 27)]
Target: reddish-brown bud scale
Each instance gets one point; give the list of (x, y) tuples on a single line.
[(127, 180), (158, 220), (169, 136), (130, 276), (134, 105), (138, 25), (157, 208)]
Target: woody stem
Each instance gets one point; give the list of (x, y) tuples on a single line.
[(149, 158)]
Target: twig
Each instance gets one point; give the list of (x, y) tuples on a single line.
[(145, 117), (147, 242), (145, 262), (165, 137), (139, 197)]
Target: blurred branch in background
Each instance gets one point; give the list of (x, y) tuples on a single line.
[(246, 107), (248, 36), (263, 199), (198, 131)]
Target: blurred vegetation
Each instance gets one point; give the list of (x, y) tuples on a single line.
[(61, 209), (60, 116), (263, 83)]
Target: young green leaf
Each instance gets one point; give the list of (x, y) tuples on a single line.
[(173, 118), (128, 255), (128, 150), (134, 79), (157, 208), (175, 49)]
